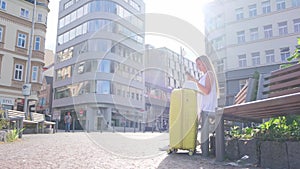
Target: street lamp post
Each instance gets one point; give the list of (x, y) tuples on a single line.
[(29, 61)]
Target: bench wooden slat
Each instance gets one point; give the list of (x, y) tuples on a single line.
[(265, 111), (259, 108), (279, 79), (284, 92), (287, 70), (285, 85)]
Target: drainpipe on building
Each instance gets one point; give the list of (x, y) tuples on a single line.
[(29, 62)]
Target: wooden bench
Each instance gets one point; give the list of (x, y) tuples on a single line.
[(278, 94), (37, 119), (40, 118), (19, 118)]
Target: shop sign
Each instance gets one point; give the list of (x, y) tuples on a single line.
[(7, 101)]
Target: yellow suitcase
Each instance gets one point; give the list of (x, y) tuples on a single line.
[(183, 123)]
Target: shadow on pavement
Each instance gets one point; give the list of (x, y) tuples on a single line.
[(182, 160)]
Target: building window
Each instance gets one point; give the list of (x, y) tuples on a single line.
[(25, 13), (68, 4), (284, 53), (254, 34), (268, 31), (104, 66), (240, 37), (22, 40), (37, 44), (295, 3), (103, 87), (242, 83), (296, 25), (3, 4), (239, 14), (266, 7), (40, 17), (280, 4), (1, 34), (270, 57), (218, 43), (252, 10), (34, 75), (220, 64), (18, 72), (242, 60), (282, 27), (255, 58)]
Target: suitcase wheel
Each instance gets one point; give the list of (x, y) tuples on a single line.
[(191, 153)]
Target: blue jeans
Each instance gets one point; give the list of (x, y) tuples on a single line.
[(67, 127)]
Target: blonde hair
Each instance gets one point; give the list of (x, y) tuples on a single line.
[(209, 66)]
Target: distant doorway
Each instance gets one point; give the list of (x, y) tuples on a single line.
[(99, 123)]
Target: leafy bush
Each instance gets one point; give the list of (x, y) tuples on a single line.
[(281, 129), (3, 123), (285, 128), (296, 54), (245, 133)]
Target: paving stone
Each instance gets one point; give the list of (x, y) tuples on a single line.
[(83, 150)]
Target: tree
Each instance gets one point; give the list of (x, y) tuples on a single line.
[(296, 54)]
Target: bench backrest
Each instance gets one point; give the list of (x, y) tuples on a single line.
[(38, 117), (246, 93), (14, 113), (280, 82)]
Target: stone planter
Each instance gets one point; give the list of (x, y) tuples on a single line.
[(237, 149), (48, 130), (249, 148), (232, 149), (267, 154), (293, 154), (3, 134), (273, 155)]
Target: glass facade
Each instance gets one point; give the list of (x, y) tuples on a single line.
[(101, 65), (100, 45), (99, 25), (101, 6)]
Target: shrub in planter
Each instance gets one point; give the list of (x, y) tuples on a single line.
[(13, 135), (3, 123)]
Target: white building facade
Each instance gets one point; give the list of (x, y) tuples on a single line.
[(249, 36)]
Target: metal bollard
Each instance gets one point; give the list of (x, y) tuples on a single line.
[(73, 125), (56, 125), (88, 126), (134, 127), (21, 128)]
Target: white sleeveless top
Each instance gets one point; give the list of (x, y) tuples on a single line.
[(209, 102)]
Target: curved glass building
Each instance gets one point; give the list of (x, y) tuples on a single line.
[(99, 62)]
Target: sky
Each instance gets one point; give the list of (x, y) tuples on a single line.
[(188, 10)]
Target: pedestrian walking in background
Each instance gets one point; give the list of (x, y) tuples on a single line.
[(208, 85), (68, 120)]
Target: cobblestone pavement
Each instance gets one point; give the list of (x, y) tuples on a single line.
[(98, 150)]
